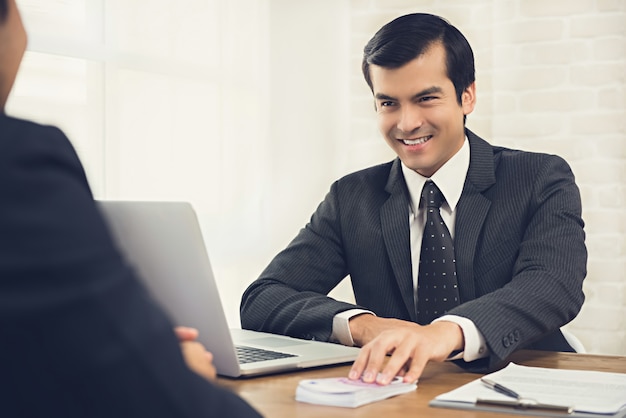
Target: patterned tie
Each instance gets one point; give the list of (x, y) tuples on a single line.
[(437, 290)]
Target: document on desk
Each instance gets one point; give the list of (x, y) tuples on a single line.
[(543, 392)]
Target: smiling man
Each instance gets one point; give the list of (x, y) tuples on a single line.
[(457, 249)]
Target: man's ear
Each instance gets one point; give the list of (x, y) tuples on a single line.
[(468, 98)]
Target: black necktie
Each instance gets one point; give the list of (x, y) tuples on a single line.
[(437, 290)]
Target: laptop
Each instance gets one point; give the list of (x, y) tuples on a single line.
[(164, 243)]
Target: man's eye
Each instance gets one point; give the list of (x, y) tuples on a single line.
[(386, 104), (427, 98)]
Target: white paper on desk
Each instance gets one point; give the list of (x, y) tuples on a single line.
[(587, 391), (341, 391)]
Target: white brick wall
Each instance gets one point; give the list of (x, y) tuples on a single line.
[(551, 77)]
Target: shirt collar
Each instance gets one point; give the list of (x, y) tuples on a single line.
[(450, 178)]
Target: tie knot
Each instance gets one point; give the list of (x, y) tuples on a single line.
[(431, 196)]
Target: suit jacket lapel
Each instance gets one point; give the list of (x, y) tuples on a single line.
[(472, 211), (394, 218)]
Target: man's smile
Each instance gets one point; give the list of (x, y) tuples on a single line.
[(416, 141)]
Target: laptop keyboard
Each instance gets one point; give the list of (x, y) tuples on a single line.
[(253, 354)]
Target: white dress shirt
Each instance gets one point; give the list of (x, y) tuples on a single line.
[(449, 179)]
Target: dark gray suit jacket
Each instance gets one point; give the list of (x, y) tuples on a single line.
[(81, 337), (519, 242)]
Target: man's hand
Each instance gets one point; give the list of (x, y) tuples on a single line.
[(411, 346), (186, 333), (197, 358)]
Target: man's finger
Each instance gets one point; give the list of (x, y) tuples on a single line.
[(186, 333), (359, 364), (378, 351), (418, 364)]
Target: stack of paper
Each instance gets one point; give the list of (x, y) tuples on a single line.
[(341, 391), (587, 393)]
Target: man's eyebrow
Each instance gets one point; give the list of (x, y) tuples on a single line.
[(425, 92), (380, 96)]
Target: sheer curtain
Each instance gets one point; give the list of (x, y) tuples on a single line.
[(241, 107), (163, 100)]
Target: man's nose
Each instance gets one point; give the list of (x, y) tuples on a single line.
[(410, 120)]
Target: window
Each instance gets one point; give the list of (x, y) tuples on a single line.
[(152, 93)]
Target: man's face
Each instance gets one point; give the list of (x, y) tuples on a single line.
[(12, 47), (418, 112)]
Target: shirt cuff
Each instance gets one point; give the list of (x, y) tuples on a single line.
[(475, 345), (341, 326)]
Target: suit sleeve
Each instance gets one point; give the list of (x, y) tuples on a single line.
[(543, 291), (290, 296), (81, 336)]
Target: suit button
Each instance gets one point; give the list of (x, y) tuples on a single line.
[(517, 335), (505, 342)]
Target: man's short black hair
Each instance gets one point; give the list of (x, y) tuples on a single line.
[(407, 37)]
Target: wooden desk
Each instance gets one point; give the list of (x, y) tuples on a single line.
[(274, 396)]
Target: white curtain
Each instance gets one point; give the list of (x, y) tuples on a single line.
[(163, 100), (240, 107)]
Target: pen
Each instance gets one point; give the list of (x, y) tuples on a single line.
[(501, 389), (524, 405)]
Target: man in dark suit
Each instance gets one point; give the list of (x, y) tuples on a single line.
[(515, 219), (80, 336)]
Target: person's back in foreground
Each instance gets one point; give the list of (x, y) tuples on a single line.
[(81, 336)]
